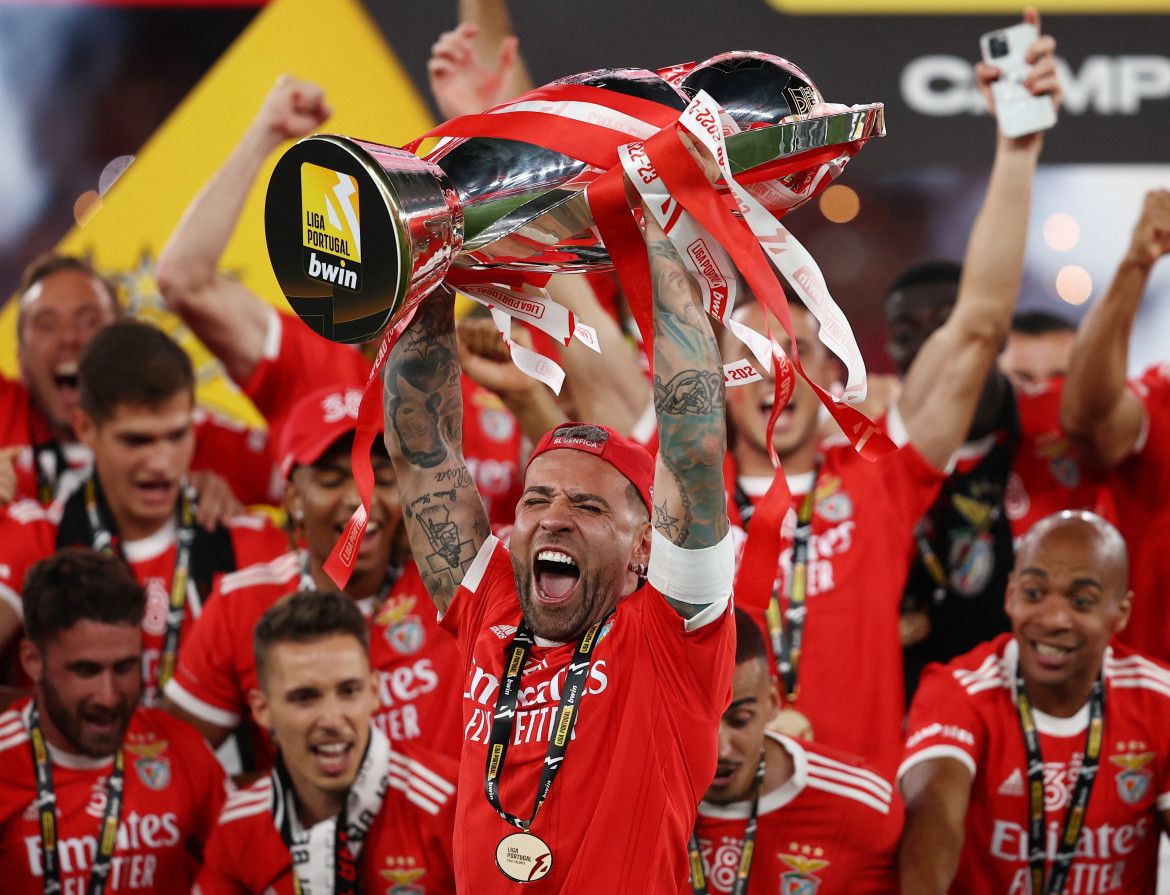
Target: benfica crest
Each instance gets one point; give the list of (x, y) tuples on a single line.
[(402, 873), (800, 880), (403, 630), (1133, 783), (153, 771)]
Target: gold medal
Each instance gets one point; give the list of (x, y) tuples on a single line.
[(523, 857), (792, 723)]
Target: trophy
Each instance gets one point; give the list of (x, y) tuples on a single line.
[(359, 232)]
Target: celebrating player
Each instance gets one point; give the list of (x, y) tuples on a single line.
[(1007, 742), (816, 818), (419, 684), (580, 613), (340, 801), (96, 792), (135, 413)]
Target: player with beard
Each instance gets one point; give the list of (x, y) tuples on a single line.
[(579, 613), (96, 792), (818, 818), (340, 797), (136, 414)]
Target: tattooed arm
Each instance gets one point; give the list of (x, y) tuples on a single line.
[(690, 505), (445, 518)]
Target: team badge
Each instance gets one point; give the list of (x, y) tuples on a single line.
[(1133, 783), (833, 504), (402, 873), (801, 878), (403, 630), (498, 424), (973, 562), (153, 771)]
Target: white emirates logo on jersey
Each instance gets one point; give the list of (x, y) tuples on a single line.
[(503, 631), (1013, 785)]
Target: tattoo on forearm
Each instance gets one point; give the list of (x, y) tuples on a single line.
[(689, 392), (446, 552), (664, 522)]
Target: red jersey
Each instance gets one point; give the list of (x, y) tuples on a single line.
[(832, 827), (173, 789), (966, 710), (241, 455), (295, 360), (29, 533), (417, 662), (407, 849), (1046, 476), (859, 553), (643, 751), (1140, 488)]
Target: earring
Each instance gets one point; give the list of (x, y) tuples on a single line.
[(299, 515), (638, 569)]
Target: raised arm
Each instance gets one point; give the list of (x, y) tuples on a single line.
[(943, 385), (1102, 418), (937, 793), (690, 505), (227, 317), (445, 518)]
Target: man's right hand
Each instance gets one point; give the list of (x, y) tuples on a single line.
[(292, 109)]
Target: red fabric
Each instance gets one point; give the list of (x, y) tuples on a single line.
[(417, 663), (622, 808), (407, 845), (1140, 488), (860, 553), (492, 448), (966, 709), (28, 535), (174, 788), (1046, 477), (832, 829), (626, 456)]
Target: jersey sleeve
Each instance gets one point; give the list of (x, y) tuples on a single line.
[(943, 723), (297, 361), (212, 878), (241, 455), (487, 583), (26, 536), (911, 483), (206, 682), (1153, 446), (206, 781)]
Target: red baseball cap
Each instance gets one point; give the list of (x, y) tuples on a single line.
[(628, 457), (315, 423)]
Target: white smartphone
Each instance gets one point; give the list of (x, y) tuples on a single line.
[(1017, 111)]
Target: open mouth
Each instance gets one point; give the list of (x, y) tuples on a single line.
[(66, 381), (1050, 654), (556, 576), (332, 757), (724, 774)]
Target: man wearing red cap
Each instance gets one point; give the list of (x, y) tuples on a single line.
[(579, 613), (415, 662)]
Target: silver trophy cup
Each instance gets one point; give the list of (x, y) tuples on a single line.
[(358, 232)]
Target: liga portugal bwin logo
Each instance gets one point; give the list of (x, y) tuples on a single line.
[(331, 229)]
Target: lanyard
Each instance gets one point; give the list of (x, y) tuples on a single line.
[(48, 459), (103, 542), (744, 873), (505, 715), (393, 573), (787, 639), (344, 865), (47, 805), (1062, 861)]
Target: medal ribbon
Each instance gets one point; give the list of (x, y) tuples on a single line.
[(788, 638), (505, 715), (103, 542), (744, 872), (47, 806), (1078, 803), (48, 458)]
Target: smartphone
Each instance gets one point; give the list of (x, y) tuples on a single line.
[(1017, 111)]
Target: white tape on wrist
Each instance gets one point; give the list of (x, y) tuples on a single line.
[(691, 576)]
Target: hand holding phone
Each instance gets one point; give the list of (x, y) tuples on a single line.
[(1017, 111)]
